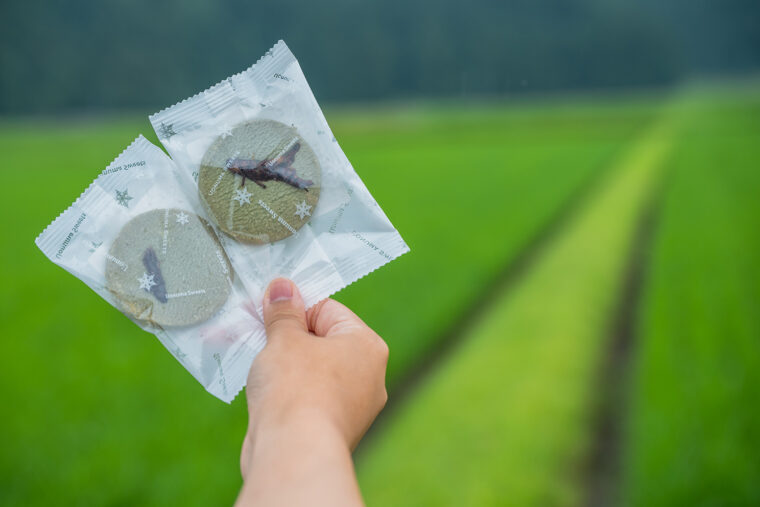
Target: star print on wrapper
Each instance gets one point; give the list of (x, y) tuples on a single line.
[(226, 131), (302, 210), (166, 131), (243, 196), (146, 281), (182, 218), (123, 198)]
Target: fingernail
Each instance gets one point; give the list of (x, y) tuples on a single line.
[(280, 289)]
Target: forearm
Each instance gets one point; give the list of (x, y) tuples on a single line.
[(301, 462)]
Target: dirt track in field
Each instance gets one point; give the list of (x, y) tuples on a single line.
[(501, 283), (601, 471)]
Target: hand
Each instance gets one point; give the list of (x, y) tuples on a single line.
[(312, 394)]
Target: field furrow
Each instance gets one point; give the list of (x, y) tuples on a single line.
[(505, 419)]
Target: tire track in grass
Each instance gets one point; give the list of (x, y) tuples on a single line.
[(502, 281), (603, 465), (506, 420)]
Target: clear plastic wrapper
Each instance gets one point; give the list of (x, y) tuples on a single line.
[(258, 152), (257, 187), (145, 245)]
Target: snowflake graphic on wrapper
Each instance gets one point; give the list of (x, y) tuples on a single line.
[(303, 210), (182, 218), (165, 131), (123, 198), (226, 131), (146, 281), (243, 196)]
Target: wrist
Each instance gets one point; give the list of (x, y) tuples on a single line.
[(304, 449), (304, 428), (294, 421)]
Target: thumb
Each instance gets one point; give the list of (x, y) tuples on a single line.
[(283, 309)]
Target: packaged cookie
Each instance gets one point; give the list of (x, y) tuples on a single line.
[(260, 161), (257, 151), (147, 247)]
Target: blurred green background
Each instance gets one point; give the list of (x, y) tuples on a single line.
[(578, 322)]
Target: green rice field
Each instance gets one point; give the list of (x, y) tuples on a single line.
[(694, 418), (99, 413), (507, 432)]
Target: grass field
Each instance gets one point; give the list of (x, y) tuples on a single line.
[(504, 419), (117, 397), (468, 188), (102, 414), (507, 419), (694, 431)]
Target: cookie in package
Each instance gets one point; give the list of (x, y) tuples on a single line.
[(137, 239), (259, 154)]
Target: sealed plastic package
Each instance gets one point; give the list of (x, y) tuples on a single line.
[(257, 187), (145, 246), (257, 150)]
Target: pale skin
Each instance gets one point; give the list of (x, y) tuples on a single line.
[(312, 394)]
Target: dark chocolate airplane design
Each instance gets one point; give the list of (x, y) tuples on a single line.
[(150, 261), (266, 170)]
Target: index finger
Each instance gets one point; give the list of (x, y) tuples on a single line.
[(328, 317)]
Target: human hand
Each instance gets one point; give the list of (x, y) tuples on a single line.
[(319, 381)]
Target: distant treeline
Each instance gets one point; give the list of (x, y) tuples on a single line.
[(60, 55)]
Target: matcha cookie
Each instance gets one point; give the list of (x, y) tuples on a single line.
[(167, 267), (260, 181)]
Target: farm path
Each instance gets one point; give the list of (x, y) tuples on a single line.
[(515, 372)]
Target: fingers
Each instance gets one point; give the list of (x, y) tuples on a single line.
[(329, 317), (283, 309), (284, 312)]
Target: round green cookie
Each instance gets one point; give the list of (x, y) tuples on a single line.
[(167, 267), (260, 181)]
